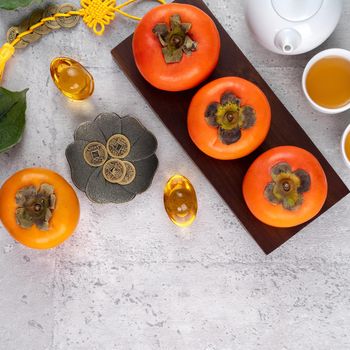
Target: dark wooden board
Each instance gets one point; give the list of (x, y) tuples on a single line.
[(227, 176)]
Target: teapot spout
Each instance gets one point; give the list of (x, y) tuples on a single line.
[(287, 40)]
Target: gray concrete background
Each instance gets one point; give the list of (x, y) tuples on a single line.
[(128, 278)]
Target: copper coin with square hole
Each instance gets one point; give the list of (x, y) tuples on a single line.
[(95, 154), (129, 175), (12, 34), (24, 25), (50, 11), (114, 170), (67, 22), (118, 146)]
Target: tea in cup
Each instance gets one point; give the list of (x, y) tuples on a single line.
[(326, 81), (345, 146)]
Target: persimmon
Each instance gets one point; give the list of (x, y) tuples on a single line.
[(229, 118), (39, 208), (176, 46), (285, 186)]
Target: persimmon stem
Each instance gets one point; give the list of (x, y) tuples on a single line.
[(175, 39), (286, 186), (34, 207)]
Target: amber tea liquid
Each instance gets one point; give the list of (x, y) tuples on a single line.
[(347, 146), (328, 82)]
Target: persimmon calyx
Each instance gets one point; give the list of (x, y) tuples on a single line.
[(35, 207), (175, 40), (230, 117), (287, 186)]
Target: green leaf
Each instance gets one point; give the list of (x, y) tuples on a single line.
[(12, 117), (13, 4)]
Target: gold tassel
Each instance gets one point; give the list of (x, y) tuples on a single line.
[(6, 53)]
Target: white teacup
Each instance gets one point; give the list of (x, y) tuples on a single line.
[(326, 53), (343, 139)]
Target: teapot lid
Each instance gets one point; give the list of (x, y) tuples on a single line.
[(296, 10)]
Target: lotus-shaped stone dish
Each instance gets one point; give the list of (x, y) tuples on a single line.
[(112, 158)]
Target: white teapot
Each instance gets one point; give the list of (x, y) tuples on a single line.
[(291, 27)]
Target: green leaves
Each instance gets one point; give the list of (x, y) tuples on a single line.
[(12, 117), (13, 4)]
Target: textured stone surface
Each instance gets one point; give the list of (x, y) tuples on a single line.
[(130, 279)]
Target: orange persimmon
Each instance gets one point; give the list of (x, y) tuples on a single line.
[(39, 208), (285, 186), (176, 46), (229, 118)]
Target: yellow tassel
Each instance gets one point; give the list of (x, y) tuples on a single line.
[(6, 53)]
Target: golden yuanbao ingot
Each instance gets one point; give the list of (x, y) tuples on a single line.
[(180, 201), (72, 78)]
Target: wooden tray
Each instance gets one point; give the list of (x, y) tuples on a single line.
[(227, 176)]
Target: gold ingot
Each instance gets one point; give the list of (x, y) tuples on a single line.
[(71, 78), (180, 201)]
